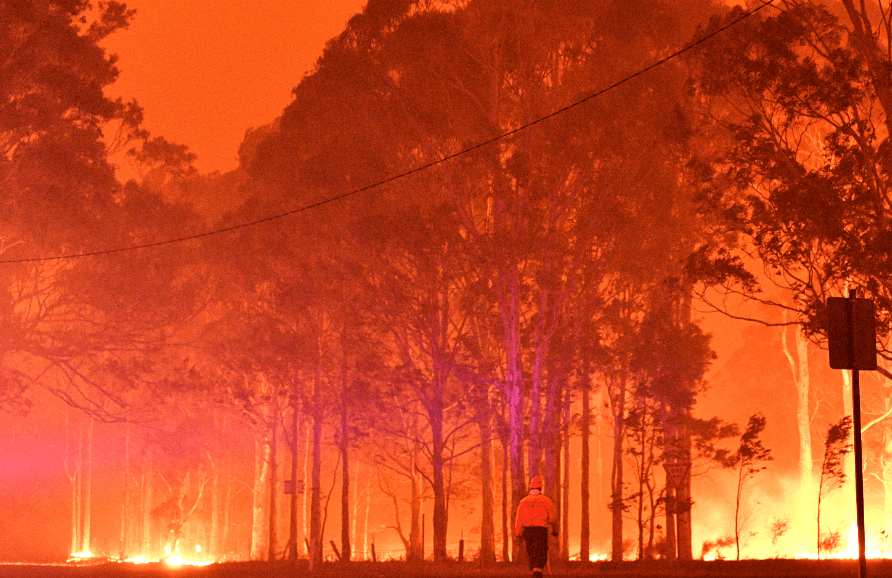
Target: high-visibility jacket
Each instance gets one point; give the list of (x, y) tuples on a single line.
[(534, 510)]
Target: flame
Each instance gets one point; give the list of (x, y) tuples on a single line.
[(138, 560), (82, 555), (171, 559), (849, 552), (175, 559)]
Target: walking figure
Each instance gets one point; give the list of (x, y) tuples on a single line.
[(535, 514)]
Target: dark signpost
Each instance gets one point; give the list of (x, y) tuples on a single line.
[(851, 339)]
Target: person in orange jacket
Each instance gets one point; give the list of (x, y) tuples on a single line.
[(535, 514)]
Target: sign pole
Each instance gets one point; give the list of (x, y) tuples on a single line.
[(856, 419)]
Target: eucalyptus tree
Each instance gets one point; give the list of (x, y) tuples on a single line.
[(537, 206), (83, 327), (803, 182)]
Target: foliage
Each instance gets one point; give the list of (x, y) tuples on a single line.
[(748, 461), (803, 99), (836, 447), (777, 529), (830, 542)]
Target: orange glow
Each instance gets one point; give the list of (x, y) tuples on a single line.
[(206, 71)]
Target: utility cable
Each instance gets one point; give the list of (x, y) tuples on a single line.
[(412, 171)]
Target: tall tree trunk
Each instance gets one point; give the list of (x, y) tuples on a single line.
[(147, 492), (316, 482), (126, 509), (440, 515), (551, 466), (551, 432), (345, 468), (618, 401), (514, 398), (88, 490), (584, 480), (308, 453), (295, 436), (683, 500), (416, 541), (682, 421), (847, 409), (487, 522), (671, 455), (261, 475), (215, 550), (365, 518), (886, 457), (506, 529), (354, 511), (272, 544), (74, 473), (228, 492), (565, 493), (799, 368)]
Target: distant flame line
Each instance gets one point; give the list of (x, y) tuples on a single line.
[(402, 175)]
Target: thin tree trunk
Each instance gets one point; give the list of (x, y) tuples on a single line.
[(683, 501), (354, 510), (292, 522), (670, 433), (487, 522), (509, 294), (565, 493), (416, 526), (440, 521), (584, 480), (261, 475), (683, 498), (799, 367), (316, 482), (308, 453), (126, 514), (506, 537), (273, 483), (74, 477), (215, 551), (227, 504), (147, 494), (345, 476), (88, 490), (365, 522), (618, 399)]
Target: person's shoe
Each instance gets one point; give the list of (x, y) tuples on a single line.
[(537, 573)]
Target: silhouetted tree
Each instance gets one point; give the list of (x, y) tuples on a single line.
[(836, 446), (747, 460)]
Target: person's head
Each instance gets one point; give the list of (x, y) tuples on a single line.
[(536, 484)]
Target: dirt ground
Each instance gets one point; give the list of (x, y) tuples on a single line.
[(695, 569)]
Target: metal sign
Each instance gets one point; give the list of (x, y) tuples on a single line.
[(851, 333), (676, 472), (851, 339)]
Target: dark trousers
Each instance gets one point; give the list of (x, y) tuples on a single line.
[(535, 538)]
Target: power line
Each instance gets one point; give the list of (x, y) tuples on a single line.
[(407, 173)]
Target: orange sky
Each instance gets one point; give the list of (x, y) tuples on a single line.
[(205, 71)]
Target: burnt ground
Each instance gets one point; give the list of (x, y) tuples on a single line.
[(695, 569)]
